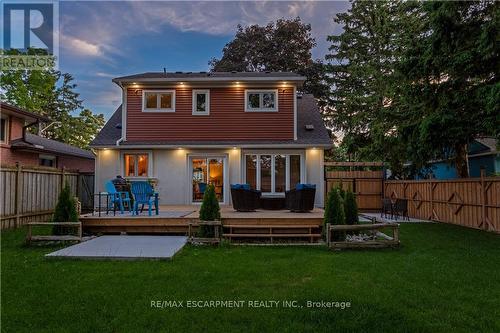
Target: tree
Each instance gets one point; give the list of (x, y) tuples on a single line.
[(209, 211), (449, 84), (361, 66), (282, 46), (334, 212), (65, 210), (415, 81), (52, 94)]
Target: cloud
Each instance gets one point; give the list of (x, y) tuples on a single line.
[(81, 47), (107, 25)]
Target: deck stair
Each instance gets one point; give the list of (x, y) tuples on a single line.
[(272, 231)]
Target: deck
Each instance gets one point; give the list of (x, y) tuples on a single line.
[(176, 220)]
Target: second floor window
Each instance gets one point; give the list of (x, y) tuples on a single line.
[(158, 101), (136, 165), (3, 130), (201, 102), (261, 100)]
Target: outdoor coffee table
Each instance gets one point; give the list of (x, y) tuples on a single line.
[(272, 202)]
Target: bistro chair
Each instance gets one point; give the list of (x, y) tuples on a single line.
[(401, 208), (387, 207)]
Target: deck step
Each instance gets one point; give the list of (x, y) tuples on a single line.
[(267, 226), (271, 235)]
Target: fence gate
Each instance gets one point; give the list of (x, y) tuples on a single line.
[(365, 179), (86, 190)]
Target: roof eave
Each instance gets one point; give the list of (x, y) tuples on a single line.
[(296, 79), (240, 145)]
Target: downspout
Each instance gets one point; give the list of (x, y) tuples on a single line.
[(124, 105)]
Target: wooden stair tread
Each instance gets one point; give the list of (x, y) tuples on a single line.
[(271, 235), (267, 226)]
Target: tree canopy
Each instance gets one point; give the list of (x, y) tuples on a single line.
[(52, 94), (415, 81), (281, 46)]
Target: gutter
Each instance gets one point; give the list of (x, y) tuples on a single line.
[(180, 145)]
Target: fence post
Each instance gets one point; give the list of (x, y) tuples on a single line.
[(483, 201), (17, 200), (63, 172)]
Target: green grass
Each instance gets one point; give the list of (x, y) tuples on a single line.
[(443, 279)]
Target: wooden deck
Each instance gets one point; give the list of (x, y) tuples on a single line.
[(176, 219)]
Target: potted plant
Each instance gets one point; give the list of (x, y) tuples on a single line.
[(209, 216)]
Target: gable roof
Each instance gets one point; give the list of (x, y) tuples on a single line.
[(35, 142), (307, 114), (210, 76), (10, 109)]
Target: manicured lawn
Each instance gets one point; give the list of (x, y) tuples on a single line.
[(443, 279)]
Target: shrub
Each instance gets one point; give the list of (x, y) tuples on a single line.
[(65, 210), (209, 211), (334, 212), (350, 208), (340, 188)]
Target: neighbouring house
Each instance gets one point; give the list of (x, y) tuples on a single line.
[(19, 146), (482, 153), (185, 130)]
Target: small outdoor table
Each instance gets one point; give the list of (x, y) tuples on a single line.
[(272, 202)]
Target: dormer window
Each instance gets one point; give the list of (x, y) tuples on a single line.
[(201, 102), (261, 100), (158, 101)]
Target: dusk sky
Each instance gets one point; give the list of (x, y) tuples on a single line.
[(102, 40)]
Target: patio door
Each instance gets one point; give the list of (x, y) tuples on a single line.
[(205, 171)]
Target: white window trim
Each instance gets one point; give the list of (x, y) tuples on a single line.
[(206, 92), (273, 171), (137, 152), (6, 132), (144, 109), (261, 92)]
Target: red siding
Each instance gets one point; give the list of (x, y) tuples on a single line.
[(227, 120)]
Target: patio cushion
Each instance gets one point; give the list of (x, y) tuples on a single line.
[(240, 186), (304, 186)]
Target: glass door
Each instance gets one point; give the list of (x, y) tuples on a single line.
[(205, 171)]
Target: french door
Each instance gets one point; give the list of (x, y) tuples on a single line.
[(204, 171)]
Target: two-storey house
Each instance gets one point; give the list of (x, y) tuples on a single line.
[(18, 145), (186, 130)]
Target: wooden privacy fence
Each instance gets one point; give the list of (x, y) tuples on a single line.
[(30, 194), (365, 179), (470, 202)]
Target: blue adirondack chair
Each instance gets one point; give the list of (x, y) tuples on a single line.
[(143, 194), (116, 197)]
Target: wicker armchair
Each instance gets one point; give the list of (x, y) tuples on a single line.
[(244, 198), (301, 199)]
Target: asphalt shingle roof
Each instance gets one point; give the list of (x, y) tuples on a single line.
[(307, 114), (44, 144), (205, 75)]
